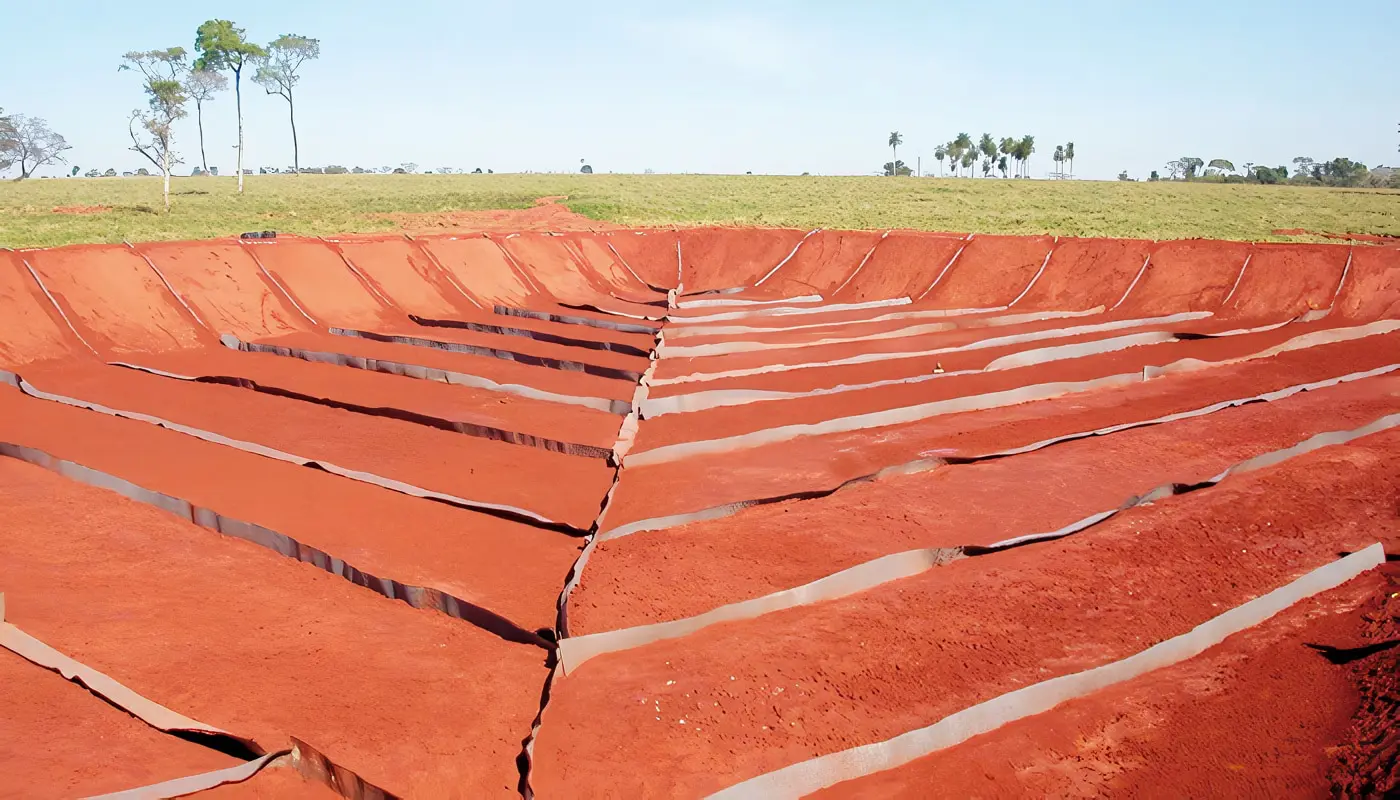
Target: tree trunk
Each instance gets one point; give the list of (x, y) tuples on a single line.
[(199, 115), (238, 101), (292, 113), (165, 171)]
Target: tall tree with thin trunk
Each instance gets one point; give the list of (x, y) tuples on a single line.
[(165, 95), (222, 45), (201, 85), (940, 152), (280, 72), (1059, 158), (1007, 147), (988, 147), (895, 141), (964, 144), (1027, 147), (1069, 156)]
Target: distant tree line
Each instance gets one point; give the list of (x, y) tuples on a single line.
[(1304, 172)]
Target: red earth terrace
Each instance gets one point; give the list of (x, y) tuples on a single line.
[(741, 513)]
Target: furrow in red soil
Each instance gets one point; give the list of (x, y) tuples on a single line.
[(59, 740), (508, 567), (717, 423), (617, 366), (495, 369), (807, 463), (475, 469), (749, 697), (1160, 734), (653, 576), (558, 421), (246, 640), (856, 363)]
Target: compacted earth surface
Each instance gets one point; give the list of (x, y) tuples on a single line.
[(566, 511)]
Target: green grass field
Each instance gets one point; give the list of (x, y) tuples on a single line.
[(329, 204)]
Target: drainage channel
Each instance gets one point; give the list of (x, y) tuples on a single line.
[(626, 435)]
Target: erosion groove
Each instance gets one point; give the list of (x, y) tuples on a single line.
[(730, 512)]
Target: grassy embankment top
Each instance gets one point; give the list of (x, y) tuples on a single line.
[(330, 204)]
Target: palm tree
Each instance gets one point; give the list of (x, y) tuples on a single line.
[(969, 158), (988, 147), (1027, 146), (1069, 156), (940, 152), (895, 141), (1001, 165), (964, 144), (1059, 158), (1008, 149)]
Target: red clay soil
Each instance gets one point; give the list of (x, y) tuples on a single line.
[(811, 368), (1084, 273), (1368, 757), (246, 640), (30, 327), (1188, 275), (1372, 287), (992, 271), (59, 740), (469, 467), (727, 258), (552, 266), (1160, 735), (548, 214), (707, 481), (725, 421), (823, 262), (91, 282), (643, 341), (496, 369), (317, 278), (508, 567), (653, 576), (650, 253), (401, 271), (80, 209), (749, 697), (592, 249), (512, 412), (522, 344), (482, 268), (1287, 280), (1372, 238), (904, 264), (222, 283), (271, 783)]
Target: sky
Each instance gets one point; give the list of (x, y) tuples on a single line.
[(729, 87)]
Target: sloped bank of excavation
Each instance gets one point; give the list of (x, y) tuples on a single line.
[(795, 495)]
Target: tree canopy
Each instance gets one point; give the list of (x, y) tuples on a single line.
[(30, 143)]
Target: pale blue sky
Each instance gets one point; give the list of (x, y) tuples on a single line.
[(780, 87)]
